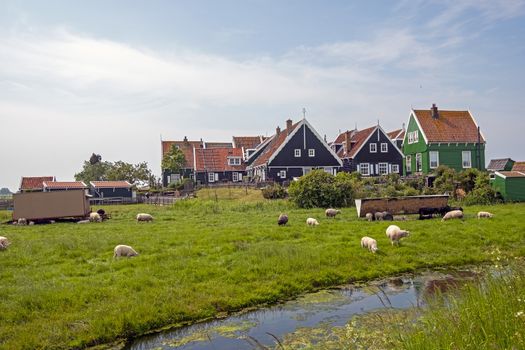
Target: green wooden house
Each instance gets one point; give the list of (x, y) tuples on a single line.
[(510, 184), (442, 137)]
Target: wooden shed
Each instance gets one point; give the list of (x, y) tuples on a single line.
[(399, 205), (510, 184), (51, 205)]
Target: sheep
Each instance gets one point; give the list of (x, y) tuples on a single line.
[(484, 214), (21, 222), (283, 219), (312, 222), (454, 214), (31, 223), (378, 216), (144, 217), (83, 222), (388, 216), (369, 243), (95, 217), (124, 250), (4, 243), (369, 216), (331, 213), (394, 233), (400, 218)]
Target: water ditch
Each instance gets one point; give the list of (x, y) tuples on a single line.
[(312, 318)]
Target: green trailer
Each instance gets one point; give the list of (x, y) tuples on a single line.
[(510, 184)]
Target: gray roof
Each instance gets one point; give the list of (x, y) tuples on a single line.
[(498, 164)]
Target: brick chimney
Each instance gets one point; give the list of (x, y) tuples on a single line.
[(289, 126), (434, 111), (277, 130), (348, 137)]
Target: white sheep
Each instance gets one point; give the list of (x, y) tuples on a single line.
[(283, 219), (144, 217), (484, 214), (124, 250), (394, 233), (369, 216), (21, 222), (331, 213), (454, 214), (4, 242), (95, 217), (312, 222), (369, 243), (378, 216), (83, 222)]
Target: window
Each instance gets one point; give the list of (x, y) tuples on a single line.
[(410, 137), (235, 177), (373, 147), (306, 170), (416, 136), (211, 177), (311, 152), (364, 169), (466, 159), (408, 162), (174, 178), (395, 168), (234, 161), (434, 159), (384, 148), (297, 153), (282, 174), (419, 165), (383, 168)]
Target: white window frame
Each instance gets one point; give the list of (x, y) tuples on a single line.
[(211, 177), (432, 154), (420, 168), (416, 136), (385, 150), (385, 168), (282, 174), (235, 176), (367, 166), (463, 153), (297, 153), (410, 137), (234, 161), (311, 152), (175, 178), (395, 168), (374, 150), (408, 163)]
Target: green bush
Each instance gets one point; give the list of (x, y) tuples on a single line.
[(274, 191), (322, 190)]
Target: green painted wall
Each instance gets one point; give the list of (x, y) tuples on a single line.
[(450, 154), (499, 185), (511, 188)]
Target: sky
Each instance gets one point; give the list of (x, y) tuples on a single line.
[(114, 77)]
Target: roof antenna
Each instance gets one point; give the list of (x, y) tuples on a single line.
[(304, 113)]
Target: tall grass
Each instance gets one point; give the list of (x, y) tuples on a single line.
[(61, 288)]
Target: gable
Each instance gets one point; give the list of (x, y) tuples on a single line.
[(377, 136), (449, 126)]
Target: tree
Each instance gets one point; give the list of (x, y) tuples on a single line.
[(174, 160), (322, 190), (96, 171)]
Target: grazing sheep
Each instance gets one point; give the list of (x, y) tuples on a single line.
[(331, 213), (369, 243), (454, 214), (388, 216), (484, 214), (95, 217), (394, 233), (83, 222), (21, 222), (378, 216), (400, 218), (369, 216), (312, 222), (144, 217), (4, 242), (124, 250), (283, 219)]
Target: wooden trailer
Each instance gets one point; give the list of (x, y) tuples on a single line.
[(399, 205), (51, 205)]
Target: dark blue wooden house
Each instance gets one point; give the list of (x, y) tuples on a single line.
[(370, 152), (292, 152), (111, 189)]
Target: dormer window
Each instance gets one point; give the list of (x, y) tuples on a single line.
[(373, 148), (234, 161)]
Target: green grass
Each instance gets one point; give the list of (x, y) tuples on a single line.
[(61, 288)]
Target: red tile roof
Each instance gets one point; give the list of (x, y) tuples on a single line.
[(218, 145), (274, 144), (34, 183), (512, 173), (216, 159), (185, 146), (110, 184), (248, 142), (397, 134), (64, 185), (357, 139), (450, 126), (518, 166)]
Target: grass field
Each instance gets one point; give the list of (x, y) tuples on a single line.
[(60, 286)]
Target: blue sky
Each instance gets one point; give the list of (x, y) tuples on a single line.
[(112, 76)]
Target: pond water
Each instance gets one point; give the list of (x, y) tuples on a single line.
[(262, 328)]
